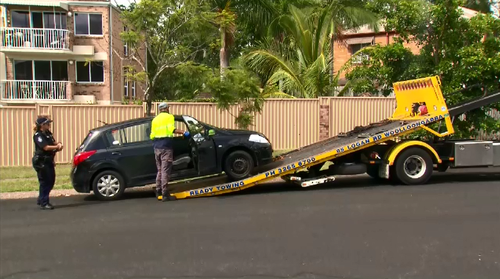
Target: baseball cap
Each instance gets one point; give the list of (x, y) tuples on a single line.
[(163, 105), (43, 120)]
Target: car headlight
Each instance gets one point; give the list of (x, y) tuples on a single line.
[(258, 139)]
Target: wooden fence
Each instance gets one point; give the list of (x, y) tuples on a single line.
[(288, 123)]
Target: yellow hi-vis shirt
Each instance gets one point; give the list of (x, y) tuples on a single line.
[(162, 126)]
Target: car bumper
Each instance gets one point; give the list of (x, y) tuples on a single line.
[(80, 180), (264, 154)]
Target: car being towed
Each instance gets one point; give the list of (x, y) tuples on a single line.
[(120, 155)]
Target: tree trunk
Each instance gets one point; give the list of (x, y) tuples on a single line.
[(224, 55), (149, 105)]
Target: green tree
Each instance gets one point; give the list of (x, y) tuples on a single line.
[(170, 31), (229, 13), (238, 88), (462, 52), (303, 70)]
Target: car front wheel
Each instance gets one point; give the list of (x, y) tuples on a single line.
[(108, 185), (238, 165)]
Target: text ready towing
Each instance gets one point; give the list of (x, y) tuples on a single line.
[(383, 154)]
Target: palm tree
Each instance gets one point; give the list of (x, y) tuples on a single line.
[(256, 13), (303, 69)]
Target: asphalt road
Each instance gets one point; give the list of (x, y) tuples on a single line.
[(352, 229)]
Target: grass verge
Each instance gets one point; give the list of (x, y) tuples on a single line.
[(23, 179)]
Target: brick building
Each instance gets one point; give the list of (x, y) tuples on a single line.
[(64, 51), (365, 36)]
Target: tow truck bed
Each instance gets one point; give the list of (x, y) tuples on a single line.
[(339, 141), (300, 153)]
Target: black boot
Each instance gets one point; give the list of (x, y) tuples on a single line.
[(168, 197)]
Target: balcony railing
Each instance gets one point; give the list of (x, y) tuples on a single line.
[(29, 90), (34, 38)]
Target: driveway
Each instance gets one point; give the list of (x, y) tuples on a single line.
[(351, 228)]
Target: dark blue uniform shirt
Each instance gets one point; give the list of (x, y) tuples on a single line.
[(41, 140)]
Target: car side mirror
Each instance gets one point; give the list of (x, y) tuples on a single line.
[(211, 133)]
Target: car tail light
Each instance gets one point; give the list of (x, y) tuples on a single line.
[(80, 157)]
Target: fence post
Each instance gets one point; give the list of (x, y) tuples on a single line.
[(324, 119), (37, 110)]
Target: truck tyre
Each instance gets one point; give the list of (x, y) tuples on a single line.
[(413, 166), (238, 165), (108, 185)]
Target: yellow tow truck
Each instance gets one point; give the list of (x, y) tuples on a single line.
[(375, 149)]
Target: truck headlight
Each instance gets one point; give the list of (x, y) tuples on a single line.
[(258, 139)]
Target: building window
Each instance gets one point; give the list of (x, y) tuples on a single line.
[(360, 57), (41, 70), (92, 72), (125, 86), (133, 89), (20, 19), (88, 24), (125, 44)]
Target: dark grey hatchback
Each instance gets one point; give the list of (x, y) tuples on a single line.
[(120, 155)]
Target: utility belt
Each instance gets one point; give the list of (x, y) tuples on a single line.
[(40, 160)]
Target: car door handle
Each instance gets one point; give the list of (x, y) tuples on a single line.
[(115, 153)]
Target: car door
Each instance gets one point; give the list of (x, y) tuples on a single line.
[(204, 145), (133, 152), (182, 147)]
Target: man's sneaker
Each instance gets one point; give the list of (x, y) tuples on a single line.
[(46, 207)]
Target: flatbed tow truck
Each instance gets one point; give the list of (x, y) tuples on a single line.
[(375, 149)]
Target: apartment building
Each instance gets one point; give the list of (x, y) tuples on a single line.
[(355, 40), (64, 52)]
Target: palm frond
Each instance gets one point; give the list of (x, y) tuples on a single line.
[(289, 82), (263, 61)]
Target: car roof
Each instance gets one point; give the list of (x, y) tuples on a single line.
[(130, 121)]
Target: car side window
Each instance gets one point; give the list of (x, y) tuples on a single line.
[(195, 128), (137, 133), (115, 137), (181, 126), (130, 134)]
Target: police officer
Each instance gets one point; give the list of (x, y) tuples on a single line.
[(162, 130), (43, 159)]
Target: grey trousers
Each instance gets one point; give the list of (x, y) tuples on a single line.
[(164, 159)]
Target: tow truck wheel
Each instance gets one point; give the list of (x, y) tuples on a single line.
[(413, 166), (108, 185), (238, 165)]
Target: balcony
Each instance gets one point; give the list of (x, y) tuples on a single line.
[(16, 39), (36, 90)]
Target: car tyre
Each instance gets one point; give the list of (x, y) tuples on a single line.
[(413, 166), (238, 165), (108, 185)]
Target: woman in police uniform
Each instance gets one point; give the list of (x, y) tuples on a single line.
[(43, 159)]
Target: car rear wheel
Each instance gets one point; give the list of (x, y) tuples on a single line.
[(238, 165), (108, 185)]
